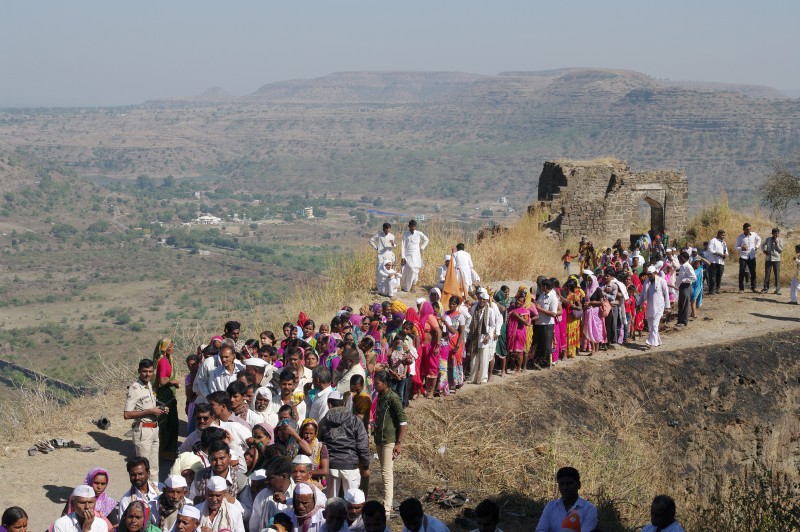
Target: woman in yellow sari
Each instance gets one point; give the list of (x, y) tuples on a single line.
[(574, 297)]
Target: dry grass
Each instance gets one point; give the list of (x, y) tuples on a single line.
[(507, 449), (522, 252)]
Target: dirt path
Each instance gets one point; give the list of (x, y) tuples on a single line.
[(41, 483)]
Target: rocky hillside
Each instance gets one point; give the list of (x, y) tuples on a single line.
[(452, 135)]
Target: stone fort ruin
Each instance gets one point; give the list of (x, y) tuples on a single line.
[(603, 197)]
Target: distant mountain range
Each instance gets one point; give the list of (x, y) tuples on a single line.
[(430, 134)]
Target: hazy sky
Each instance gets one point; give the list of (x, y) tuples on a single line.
[(110, 52)]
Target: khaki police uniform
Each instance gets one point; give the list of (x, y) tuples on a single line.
[(145, 430)]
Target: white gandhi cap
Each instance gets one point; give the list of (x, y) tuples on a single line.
[(84, 491), (189, 511), (354, 496), (175, 481), (216, 484)]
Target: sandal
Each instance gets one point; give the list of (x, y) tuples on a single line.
[(436, 495), (454, 500)]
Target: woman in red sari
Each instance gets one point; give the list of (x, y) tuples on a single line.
[(429, 350)]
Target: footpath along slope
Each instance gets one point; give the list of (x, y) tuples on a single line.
[(42, 483)]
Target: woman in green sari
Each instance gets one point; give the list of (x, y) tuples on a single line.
[(501, 350), (165, 386)]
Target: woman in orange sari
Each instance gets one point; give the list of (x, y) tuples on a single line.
[(574, 298)]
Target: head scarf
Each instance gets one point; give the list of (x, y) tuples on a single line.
[(426, 310), (159, 352), (376, 309), (306, 519), (355, 320), (292, 447), (104, 504), (269, 430), (413, 317), (187, 460), (259, 392), (398, 307), (592, 286), (147, 526)]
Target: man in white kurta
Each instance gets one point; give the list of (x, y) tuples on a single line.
[(82, 517), (414, 243), (656, 294), (384, 244), (485, 317), (464, 267), (388, 280)]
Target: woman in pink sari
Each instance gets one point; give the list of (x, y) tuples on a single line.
[(429, 352), (519, 318), (594, 326), (560, 331)]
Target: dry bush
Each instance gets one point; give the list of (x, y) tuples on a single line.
[(523, 252), (505, 449), (108, 375), (31, 410)]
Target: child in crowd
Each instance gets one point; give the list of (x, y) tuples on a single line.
[(567, 259)]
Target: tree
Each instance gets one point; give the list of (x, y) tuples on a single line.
[(781, 188), (486, 213), (63, 231), (145, 182), (168, 182)]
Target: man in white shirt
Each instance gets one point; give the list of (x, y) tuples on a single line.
[(686, 277), (82, 517), (276, 497), (717, 253), (288, 385), (748, 244), (464, 267), (569, 482), (662, 516), (321, 378), (544, 326), (225, 373), (142, 489), (414, 243), (416, 520), (349, 366), (384, 244), (656, 294)]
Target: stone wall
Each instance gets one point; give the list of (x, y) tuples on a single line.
[(602, 198)]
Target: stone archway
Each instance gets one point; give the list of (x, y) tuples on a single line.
[(656, 214)]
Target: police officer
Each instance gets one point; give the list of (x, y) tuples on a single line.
[(140, 406)]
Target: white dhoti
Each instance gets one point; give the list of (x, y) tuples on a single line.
[(479, 365), (382, 259), (410, 277), (653, 323)]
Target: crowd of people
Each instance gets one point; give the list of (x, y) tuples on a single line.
[(279, 427)]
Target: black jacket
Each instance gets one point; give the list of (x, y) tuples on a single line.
[(346, 438)]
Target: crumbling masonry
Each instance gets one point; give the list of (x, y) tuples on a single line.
[(602, 198)]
